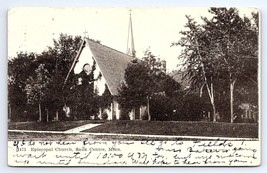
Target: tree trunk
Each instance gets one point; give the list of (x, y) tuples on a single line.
[(211, 96), (148, 109), (210, 90), (10, 112), (214, 112), (213, 102), (40, 112), (47, 116), (56, 115), (232, 85), (201, 91)]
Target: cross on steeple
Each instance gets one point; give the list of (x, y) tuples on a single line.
[(85, 33), (130, 41)]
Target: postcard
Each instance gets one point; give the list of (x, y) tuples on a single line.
[(134, 86)]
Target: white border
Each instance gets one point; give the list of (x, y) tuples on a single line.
[(5, 5)]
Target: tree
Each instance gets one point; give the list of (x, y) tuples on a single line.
[(22, 71), (217, 52), (145, 79), (19, 69), (135, 92), (166, 98), (105, 99), (58, 60), (36, 87), (200, 65), (236, 41)]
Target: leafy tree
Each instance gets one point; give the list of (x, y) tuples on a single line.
[(66, 48), (200, 65), (144, 80), (36, 87), (22, 70), (236, 41), (19, 69), (188, 106), (136, 89), (217, 52), (105, 99), (58, 60)]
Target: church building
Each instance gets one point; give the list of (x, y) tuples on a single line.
[(111, 65)]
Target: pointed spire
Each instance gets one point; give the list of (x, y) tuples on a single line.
[(130, 41)]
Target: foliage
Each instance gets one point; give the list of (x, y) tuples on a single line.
[(124, 114), (36, 87), (147, 84), (136, 88), (81, 98), (105, 99), (200, 65), (20, 68), (25, 83), (219, 54)]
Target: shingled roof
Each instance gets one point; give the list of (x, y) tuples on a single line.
[(112, 64)]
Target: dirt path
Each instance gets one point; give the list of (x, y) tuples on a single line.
[(81, 128)]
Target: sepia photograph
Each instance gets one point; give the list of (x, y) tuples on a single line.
[(134, 86)]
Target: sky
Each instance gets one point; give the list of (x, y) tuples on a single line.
[(33, 29)]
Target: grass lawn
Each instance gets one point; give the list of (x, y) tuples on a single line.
[(241, 130), (79, 137), (49, 126), (177, 128)]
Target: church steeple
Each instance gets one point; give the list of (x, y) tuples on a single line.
[(130, 40)]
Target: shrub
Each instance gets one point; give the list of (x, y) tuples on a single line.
[(104, 115), (124, 115)]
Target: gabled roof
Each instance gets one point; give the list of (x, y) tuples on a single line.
[(112, 64)]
